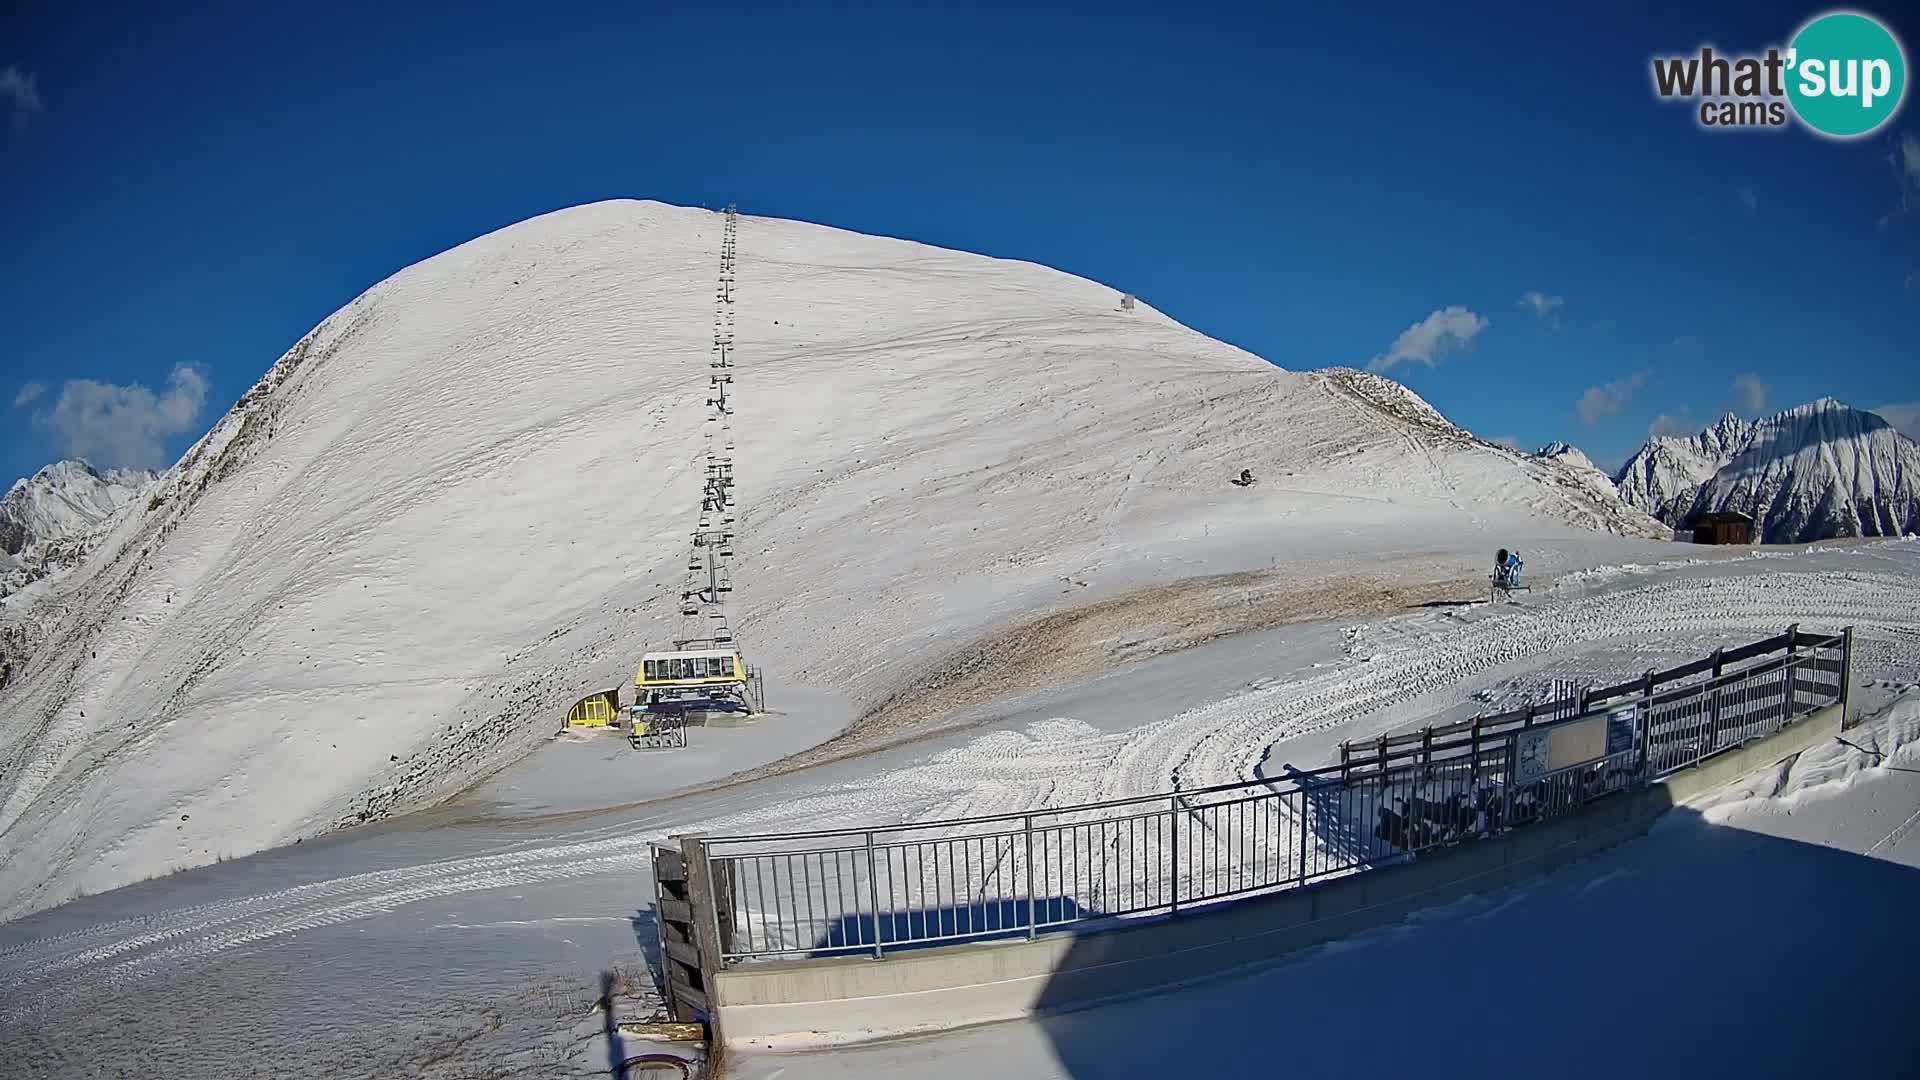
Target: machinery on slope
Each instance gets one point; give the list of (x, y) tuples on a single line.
[(704, 672)]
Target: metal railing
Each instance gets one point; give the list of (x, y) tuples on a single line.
[(886, 888)]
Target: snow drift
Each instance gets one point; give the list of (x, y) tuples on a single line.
[(462, 501)]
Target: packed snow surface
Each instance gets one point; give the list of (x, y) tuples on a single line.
[(462, 501), (423, 951)]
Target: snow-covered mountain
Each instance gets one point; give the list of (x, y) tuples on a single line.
[(463, 500), (46, 519), (1574, 464), (1663, 476), (1822, 470), (1571, 456), (1566, 453)]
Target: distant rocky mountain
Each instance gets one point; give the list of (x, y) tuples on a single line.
[(1567, 454), (1576, 465), (1665, 474), (1822, 470), (45, 519)]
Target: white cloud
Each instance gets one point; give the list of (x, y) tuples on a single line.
[(1426, 340), (1750, 393), (1905, 418), (1913, 279), (124, 426), (1544, 307), (1507, 441), (29, 392), (18, 94), (1748, 199), (1668, 424), (1610, 398)]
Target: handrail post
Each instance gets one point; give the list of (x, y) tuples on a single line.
[(1033, 919), (1473, 768), (873, 894), (1846, 674), (1304, 841), (1793, 675), (1646, 722), (1713, 699), (1173, 871), (1506, 790)]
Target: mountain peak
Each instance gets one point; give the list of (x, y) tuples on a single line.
[(1821, 407), (1814, 471), (1663, 476), (1820, 470), (62, 501), (1568, 454)]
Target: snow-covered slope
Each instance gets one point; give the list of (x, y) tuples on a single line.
[(463, 499), (1819, 471), (46, 518), (1662, 477)]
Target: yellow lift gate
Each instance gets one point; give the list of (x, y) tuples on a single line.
[(597, 710)]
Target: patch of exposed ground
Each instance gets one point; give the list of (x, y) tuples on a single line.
[(1070, 644)]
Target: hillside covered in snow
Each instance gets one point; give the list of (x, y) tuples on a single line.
[(462, 501)]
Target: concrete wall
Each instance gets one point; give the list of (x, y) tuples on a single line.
[(850, 999)]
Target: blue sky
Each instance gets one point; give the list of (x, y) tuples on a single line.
[(185, 190)]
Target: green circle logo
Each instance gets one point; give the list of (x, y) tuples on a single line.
[(1846, 74)]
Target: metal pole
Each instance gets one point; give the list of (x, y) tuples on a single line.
[(1846, 673), (1032, 916), (1304, 838), (1506, 790), (1646, 721), (1473, 768), (873, 894), (1173, 825)]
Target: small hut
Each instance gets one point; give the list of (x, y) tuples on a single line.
[(1723, 527)]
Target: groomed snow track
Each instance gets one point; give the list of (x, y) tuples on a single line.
[(1055, 763)]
